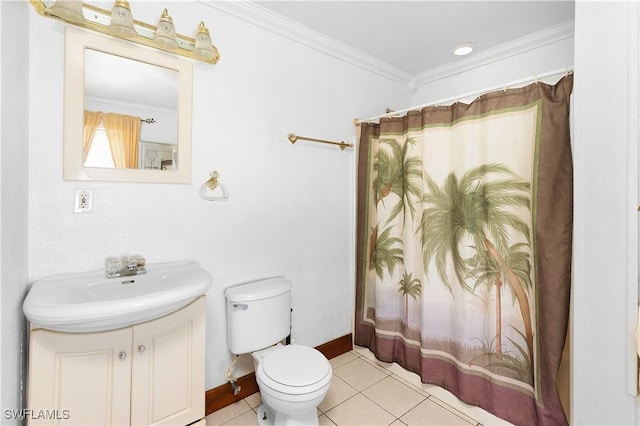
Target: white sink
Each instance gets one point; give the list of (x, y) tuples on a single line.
[(88, 301)]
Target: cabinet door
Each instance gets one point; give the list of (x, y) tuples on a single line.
[(168, 368), (79, 378)]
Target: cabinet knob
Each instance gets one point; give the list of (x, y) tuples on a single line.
[(141, 348), (122, 355)]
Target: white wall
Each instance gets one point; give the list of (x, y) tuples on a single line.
[(605, 290), (13, 199), (290, 208)]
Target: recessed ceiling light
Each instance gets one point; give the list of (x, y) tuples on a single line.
[(463, 49)]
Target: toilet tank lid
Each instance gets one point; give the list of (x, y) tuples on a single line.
[(257, 290)]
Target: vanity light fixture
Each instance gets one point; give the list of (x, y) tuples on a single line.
[(204, 47), (166, 32), (463, 49), (69, 10), (122, 20), (119, 22)]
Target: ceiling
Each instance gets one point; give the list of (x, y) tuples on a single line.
[(411, 37), (418, 36), (135, 82)]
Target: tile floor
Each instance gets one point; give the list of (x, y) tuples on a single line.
[(365, 391)]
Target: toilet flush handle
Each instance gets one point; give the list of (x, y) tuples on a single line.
[(242, 306)]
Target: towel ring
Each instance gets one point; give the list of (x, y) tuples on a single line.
[(211, 185)]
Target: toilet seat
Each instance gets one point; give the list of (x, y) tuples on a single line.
[(295, 369)]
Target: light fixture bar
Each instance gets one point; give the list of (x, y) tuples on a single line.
[(98, 19)]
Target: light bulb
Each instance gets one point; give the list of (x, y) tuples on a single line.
[(166, 32), (204, 49), (69, 10), (122, 20)]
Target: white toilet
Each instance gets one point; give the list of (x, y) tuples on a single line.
[(293, 379)]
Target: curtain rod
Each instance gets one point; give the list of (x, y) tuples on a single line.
[(476, 93)]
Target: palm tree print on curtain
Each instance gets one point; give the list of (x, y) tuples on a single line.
[(463, 206), (481, 210)]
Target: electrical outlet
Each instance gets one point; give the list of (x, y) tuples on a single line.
[(83, 202)]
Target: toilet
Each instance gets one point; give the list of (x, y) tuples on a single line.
[(293, 379)]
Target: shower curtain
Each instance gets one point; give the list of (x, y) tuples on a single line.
[(464, 227)]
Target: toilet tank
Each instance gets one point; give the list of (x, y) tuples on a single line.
[(258, 314)]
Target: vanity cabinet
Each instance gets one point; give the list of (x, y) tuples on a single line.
[(150, 373)]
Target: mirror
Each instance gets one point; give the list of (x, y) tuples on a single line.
[(127, 112), (146, 92)]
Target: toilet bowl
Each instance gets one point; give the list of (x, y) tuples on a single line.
[(293, 380)]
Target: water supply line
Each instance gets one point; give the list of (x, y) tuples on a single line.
[(232, 380)]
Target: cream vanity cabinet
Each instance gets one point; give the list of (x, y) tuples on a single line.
[(150, 373)]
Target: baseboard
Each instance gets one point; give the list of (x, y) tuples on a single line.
[(337, 346), (221, 396)]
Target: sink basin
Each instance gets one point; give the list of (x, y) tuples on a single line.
[(88, 301)]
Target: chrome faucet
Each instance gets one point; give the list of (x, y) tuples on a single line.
[(115, 267)]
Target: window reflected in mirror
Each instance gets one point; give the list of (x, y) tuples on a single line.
[(99, 153)]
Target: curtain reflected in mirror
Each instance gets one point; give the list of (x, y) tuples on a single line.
[(130, 113)]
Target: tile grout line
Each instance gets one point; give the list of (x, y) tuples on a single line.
[(397, 418), (461, 415), (399, 379), (387, 374)]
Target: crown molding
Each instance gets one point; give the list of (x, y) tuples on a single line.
[(520, 45), (264, 18), (268, 20)]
